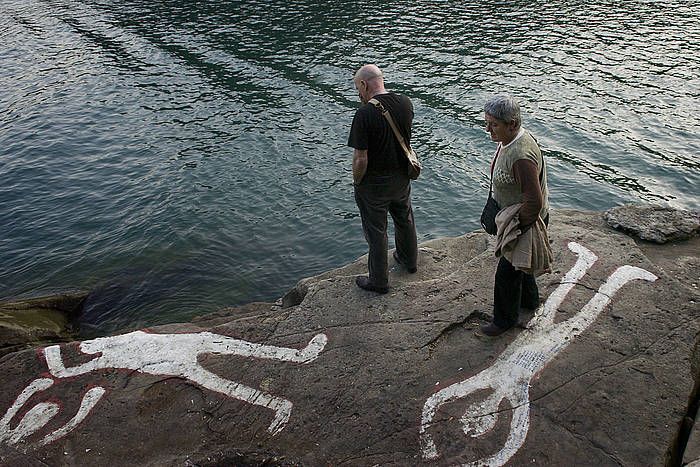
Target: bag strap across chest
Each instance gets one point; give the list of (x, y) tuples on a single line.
[(393, 126)]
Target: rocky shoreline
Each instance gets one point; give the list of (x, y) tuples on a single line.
[(606, 373), (36, 321)]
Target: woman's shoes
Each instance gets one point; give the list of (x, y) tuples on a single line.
[(493, 330)]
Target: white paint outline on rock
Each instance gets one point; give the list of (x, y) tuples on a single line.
[(174, 355), (510, 375)]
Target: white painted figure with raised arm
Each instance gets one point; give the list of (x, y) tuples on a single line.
[(510, 376)]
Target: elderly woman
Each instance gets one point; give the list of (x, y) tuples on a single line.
[(518, 176)]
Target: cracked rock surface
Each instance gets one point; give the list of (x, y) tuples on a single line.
[(615, 395)]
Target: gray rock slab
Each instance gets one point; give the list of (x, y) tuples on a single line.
[(654, 223), (612, 391)]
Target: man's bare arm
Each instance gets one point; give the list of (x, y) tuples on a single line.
[(359, 165)]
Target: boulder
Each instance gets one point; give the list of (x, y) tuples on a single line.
[(655, 223), (603, 374)]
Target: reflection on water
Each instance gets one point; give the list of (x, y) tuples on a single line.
[(176, 158)]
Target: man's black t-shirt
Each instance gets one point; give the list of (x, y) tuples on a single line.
[(371, 131)]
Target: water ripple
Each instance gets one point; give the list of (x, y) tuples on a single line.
[(175, 158)]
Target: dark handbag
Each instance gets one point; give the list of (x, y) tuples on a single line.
[(488, 215), (414, 166)]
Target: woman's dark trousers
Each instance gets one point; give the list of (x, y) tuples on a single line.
[(376, 196), (512, 290)]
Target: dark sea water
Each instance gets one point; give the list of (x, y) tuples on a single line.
[(177, 157)]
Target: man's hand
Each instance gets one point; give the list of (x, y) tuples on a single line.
[(359, 165)]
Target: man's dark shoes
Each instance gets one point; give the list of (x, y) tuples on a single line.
[(493, 330), (364, 283), (398, 260)]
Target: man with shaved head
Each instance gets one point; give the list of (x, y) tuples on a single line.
[(380, 177)]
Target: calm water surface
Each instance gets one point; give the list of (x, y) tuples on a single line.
[(177, 157)]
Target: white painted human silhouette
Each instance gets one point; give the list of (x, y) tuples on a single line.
[(155, 354), (510, 376)]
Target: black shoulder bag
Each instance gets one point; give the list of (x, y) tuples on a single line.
[(491, 209), (488, 215)]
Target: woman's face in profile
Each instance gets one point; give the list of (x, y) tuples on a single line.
[(499, 130)]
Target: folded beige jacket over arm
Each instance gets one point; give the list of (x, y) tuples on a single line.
[(530, 251)]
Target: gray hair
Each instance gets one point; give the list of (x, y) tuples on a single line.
[(503, 107)]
